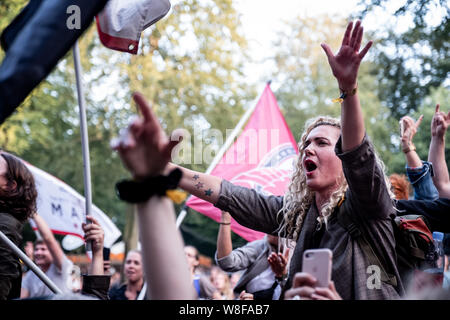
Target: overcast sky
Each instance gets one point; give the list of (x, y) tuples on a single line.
[(261, 19)]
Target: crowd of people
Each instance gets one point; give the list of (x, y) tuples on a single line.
[(338, 185)]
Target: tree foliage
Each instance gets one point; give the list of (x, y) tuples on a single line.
[(423, 136), (307, 85), (188, 66), (410, 63)]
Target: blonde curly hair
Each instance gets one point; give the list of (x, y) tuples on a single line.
[(299, 197)]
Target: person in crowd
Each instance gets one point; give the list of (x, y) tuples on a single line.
[(433, 178), (28, 248), (419, 172), (17, 203), (258, 279), (400, 186), (213, 272), (204, 287), (50, 257), (115, 276), (145, 153), (76, 279), (235, 277), (428, 286), (96, 282), (436, 154), (429, 293), (322, 182), (435, 210), (337, 166), (106, 261), (134, 275), (446, 280), (223, 286), (108, 269)]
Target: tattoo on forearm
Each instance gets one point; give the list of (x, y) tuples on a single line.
[(199, 185)]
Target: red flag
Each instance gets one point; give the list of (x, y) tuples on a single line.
[(121, 22), (261, 158)]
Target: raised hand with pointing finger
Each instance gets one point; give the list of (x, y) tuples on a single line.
[(440, 123), (146, 149)]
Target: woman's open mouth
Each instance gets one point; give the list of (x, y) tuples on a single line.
[(310, 166)]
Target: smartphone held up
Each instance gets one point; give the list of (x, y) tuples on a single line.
[(317, 262)]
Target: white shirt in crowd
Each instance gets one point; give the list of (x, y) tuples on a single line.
[(263, 281), (61, 278)]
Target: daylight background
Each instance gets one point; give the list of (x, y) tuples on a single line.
[(208, 61)]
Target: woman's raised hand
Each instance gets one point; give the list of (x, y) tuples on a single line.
[(440, 123), (345, 64)]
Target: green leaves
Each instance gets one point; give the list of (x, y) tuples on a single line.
[(188, 67), (409, 64)]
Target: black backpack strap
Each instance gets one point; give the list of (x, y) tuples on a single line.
[(355, 232)]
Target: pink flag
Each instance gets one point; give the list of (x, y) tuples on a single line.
[(261, 158)]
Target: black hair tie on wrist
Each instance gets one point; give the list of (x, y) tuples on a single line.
[(139, 191)]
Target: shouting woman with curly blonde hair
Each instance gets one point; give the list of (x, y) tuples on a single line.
[(337, 172)]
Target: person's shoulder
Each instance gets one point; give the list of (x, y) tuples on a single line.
[(9, 218), (205, 280), (10, 226), (117, 291), (31, 282), (258, 245), (66, 266), (27, 276), (67, 263), (118, 287)]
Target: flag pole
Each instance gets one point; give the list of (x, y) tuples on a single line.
[(22, 256), (222, 150), (84, 135)]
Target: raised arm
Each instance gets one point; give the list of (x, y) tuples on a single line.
[(364, 175), (93, 232), (345, 66), (436, 154), (166, 268), (141, 159), (146, 153), (419, 172), (201, 185), (52, 244), (408, 130), (224, 243), (95, 283)]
